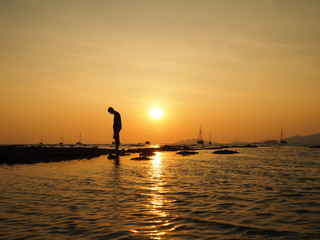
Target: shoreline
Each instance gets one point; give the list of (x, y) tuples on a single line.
[(19, 154), (26, 154)]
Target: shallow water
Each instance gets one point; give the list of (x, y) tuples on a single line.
[(263, 193)]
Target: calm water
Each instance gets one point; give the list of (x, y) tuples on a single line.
[(264, 193)]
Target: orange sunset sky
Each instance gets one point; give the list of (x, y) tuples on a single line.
[(241, 69)]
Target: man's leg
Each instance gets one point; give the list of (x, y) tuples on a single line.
[(117, 141)]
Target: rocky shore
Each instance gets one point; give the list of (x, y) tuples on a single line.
[(34, 154), (19, 154)]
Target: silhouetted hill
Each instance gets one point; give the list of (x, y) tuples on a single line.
[(307, 140), (269, 142), (302, 140)]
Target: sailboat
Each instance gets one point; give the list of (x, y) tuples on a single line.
[(200, 140), (281, 141), (41, 142), (61, 141), (80, 142), (210, 138)]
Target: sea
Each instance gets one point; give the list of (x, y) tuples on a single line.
[(259, 193)]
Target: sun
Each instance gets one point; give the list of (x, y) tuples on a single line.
[(156, 113)]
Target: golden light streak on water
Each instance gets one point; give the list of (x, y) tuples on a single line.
[(156, 198), (157, 160)]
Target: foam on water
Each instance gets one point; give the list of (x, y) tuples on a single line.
[(261, 193)]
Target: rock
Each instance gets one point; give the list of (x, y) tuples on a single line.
[(112, 156), (187, 153), (141, 158), (225, 152)]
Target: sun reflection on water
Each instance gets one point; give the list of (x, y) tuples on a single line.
[(157, 159), (157, 200), (159, 219)]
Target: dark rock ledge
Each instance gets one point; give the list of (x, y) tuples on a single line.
[(22, 154)]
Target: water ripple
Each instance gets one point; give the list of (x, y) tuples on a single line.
[(261, 193)]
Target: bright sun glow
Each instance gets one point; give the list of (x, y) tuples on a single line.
[(156, 113)]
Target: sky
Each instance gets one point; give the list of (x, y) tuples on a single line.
[(240, 69)]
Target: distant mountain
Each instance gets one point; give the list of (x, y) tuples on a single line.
[(307, 140), (269, 142), (302, 140)]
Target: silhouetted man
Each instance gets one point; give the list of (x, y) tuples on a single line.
[(116, 127)]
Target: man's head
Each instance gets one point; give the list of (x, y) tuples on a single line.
[(111, 110)]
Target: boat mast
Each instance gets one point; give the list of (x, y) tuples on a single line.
[(200, 141), (61, 142), (80, 142), (281, 136)]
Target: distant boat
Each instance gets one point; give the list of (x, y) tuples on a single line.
[(41, 142), (281, 141), (210, 138), (200, 140), (80, 141), (61, 141)]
